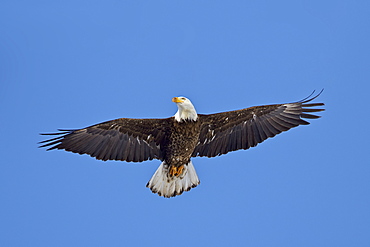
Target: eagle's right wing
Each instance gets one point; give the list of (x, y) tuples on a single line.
[(229, 131)]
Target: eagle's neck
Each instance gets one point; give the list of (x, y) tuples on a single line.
[(186, 112)]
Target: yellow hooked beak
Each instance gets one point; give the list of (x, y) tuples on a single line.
[(177, 100)]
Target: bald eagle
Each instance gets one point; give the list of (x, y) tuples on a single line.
[(175, 140)]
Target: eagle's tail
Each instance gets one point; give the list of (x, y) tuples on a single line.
[(166, 185)]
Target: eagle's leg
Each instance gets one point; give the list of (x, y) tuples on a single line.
[(179, 170), (176, 171)]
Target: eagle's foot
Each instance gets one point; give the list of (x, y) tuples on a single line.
[(176, 171)]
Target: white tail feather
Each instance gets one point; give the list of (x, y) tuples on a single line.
[(165, 185)]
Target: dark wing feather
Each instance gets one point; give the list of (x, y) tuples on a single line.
[(121, 139), (242, 129)]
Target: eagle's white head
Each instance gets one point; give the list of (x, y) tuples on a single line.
[(186, 110)]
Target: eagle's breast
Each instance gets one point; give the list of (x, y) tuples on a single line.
[(183, 138)]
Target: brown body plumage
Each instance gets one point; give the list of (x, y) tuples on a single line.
[(181, 140)]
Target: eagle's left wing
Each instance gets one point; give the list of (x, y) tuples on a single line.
[(123, 139), (242, 129)]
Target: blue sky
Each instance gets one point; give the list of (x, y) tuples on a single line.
[(71, 64)]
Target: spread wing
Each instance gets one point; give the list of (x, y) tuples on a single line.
[(121, 139), (229, 131)]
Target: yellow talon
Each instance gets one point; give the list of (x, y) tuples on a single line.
[(176, 171), (180, 170)]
